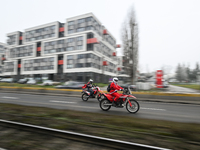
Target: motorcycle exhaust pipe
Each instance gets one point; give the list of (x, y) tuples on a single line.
[(108, 104)]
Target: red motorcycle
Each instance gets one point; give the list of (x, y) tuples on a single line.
[(96, 92), (125, 99)]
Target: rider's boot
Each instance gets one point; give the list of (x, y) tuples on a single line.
[(114, 103)]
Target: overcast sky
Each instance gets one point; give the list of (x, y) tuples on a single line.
[(169, 30)]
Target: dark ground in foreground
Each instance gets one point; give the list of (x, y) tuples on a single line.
[(173, 135), (13, 139)]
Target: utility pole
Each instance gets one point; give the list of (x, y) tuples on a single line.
[(198, 78)]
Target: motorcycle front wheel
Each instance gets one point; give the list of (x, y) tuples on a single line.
[(85, 97), (134, 108), (103, 106), (99, 97)]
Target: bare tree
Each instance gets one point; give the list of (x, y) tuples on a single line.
[(181, 73), (129, 37)]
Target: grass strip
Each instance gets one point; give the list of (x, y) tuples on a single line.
[(166, 134), (191, 86)]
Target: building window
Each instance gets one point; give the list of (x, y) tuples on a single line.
[(88, 55), (79, 65), (52, 35), (70, 40), (70, 23), (88, 19), (90, 46), (89, 28), (81, 20), (60, 41), (69, 57), (80, 56), (80, 29), (53, 43), (79, 47), (70, 48), (70, 31), (88, 65), (80, 38), (53, 27), (51, 59), (69, 66)]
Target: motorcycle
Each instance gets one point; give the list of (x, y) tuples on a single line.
[(126, 99), (96, 92)]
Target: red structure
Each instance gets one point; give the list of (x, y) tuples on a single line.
[(159, 78), (61, 29), (105, 63), (92, 41), (105, 32), (19, 65), (60, 62), (118, 69), (114, 54), (118, 46), (39, 49)]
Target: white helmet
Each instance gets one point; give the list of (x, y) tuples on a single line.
[(90, 80), (115, 80)]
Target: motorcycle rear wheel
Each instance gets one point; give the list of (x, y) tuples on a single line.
[(134, 108), (103, 106), (85, 97)]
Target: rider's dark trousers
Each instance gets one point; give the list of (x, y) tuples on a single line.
[(91, 91)]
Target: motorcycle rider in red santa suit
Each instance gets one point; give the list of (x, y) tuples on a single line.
[(114, 87), (89, 86)]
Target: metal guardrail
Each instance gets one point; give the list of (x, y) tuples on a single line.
[(105, 142)]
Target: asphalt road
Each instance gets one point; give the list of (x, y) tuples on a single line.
[(148, 110)]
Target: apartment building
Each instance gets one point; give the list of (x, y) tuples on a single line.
[(79, 49)]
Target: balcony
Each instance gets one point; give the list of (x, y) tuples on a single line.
[(60, 62), (118, 46), (92, 41), (105, 63), (39, 49), (62, 29), (105, 32)]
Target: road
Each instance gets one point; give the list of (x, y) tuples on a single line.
[(148, 110)]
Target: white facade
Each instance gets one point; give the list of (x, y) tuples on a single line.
[(10, 68), (43, 62), (81, 45), (43, 32)]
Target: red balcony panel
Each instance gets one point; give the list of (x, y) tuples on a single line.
[(39, 49), (92, 41), (3, 58), (119, 69), (105, 63), (105, 31), (60, 62), (20, 38), (118, 46), (19, 65), (114, 54), (61, 29)]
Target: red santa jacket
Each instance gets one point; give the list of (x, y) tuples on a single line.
[(114, 86)]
